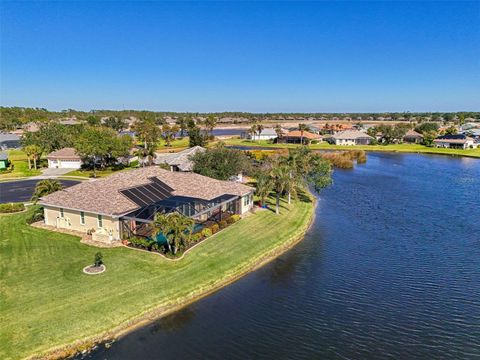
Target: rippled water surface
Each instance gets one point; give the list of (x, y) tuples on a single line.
[(389, 269)]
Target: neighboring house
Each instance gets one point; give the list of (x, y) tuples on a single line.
[(314, 129), (413, 137), (65, 158), (458, 141), (474, 133), (9, 141), (470, 125), (296, 136), (265, 134), (125, 203), (180, 161), (352, 137), (3, 161)]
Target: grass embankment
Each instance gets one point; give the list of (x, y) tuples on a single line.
[(20, 166), (47, 302), (100, 172), (406, 148)]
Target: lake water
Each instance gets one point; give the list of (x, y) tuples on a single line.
[(389, 270)]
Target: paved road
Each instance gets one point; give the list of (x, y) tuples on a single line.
[(21, 191)]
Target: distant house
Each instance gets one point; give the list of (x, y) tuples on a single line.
[(66, 158), (70, 122), (297, 136), (352, 137), (180, 161), (265, 134), (458, 141), (413, 137), (9, 141), (4, 161)]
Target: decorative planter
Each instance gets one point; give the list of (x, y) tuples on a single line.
[(94, 270)]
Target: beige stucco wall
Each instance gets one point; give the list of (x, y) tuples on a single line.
[(71, 220), (244, 208)]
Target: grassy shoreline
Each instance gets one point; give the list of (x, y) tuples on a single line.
[(71, 311), (401, 148)]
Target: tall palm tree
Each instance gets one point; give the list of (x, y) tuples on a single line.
[(253, 131), (302, 128), (280, 175), (259, 130), (182, 124), (45, 187), (278, 130)]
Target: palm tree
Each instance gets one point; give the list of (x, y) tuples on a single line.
[(259, 130), (29, 151), (45, 187), (264, 186), (280, 175), (253, 131), (182, 124), (278, 130), (302, 128), (211, 123), (176, 227)]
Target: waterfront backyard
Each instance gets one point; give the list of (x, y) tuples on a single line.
[(47, 301)]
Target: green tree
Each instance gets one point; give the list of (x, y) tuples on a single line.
[(253, 131), (221, 163), (149, 134), (211, 123), (168, 133), (176, 227), (264, 186), (195, 136), (281, 180), (182, 123), (115, 123), (93, 120), (302, 128), (452, 130), (33, 152), (45, 187)]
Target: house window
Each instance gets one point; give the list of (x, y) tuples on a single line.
[(82, 218), (61, 213), (246, 200), (100, 221)]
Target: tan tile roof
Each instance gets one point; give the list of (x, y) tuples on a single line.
[(180, 159), (103, 196), (351, 134), (413, 133), (65, 153), (306, 135)]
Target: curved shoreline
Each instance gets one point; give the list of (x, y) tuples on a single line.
[(159, 311)]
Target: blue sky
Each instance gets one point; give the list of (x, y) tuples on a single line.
[(241, 56)]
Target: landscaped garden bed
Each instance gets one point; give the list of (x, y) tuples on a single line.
[(11, 208), (169, 250)]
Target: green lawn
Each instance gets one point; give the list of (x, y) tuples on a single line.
[(46, 300), (409, 148), (19, 160)]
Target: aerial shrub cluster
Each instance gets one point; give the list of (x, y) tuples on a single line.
[(11, 208)]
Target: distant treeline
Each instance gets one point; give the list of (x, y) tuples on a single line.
[(15, 117)]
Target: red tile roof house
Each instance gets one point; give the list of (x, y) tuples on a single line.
[(65, 158), (297, 136), (121, 205)]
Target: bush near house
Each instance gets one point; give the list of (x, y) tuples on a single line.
[(11, 208)]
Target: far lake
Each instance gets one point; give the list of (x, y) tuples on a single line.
[(389, 270)]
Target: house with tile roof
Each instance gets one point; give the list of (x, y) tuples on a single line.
[(298, 137), (125, 203), (412, 137), (457, 141), (66, 158), (179, 161), (352, 137)]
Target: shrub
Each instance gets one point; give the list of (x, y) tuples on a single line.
[(215, 228), (196, 237), (36, 216), (11, 207), (98, 259), (235, 217), (134, 164), (230, 220), (142, 243), (206, 232), (222, 224)]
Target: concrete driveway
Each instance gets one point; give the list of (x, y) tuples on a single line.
[(22, 191), (52, 172)]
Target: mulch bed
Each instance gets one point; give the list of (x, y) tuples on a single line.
[(93, 270)]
